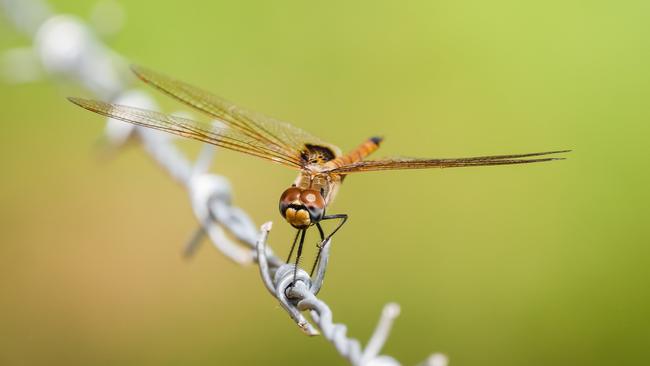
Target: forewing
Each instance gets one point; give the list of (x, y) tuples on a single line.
[(415, 163), (202, 131), (282, 135)]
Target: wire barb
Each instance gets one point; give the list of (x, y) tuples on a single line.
[(68, 50)]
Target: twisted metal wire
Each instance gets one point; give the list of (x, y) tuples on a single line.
[(65, 48)]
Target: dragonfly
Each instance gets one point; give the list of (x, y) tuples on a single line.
[(322, 166)]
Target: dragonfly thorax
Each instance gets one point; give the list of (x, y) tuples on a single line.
[(302, 207)]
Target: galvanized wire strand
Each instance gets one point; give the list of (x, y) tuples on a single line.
[(67, 50)]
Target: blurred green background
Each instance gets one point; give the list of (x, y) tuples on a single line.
[(525, 265)]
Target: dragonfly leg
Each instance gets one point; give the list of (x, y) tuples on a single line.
[(343, 218), (302, 241), (293, 246), (320, 248)]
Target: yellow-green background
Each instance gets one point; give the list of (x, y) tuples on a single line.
[(523, 265)]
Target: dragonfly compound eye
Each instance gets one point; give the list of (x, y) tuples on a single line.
[(289, 197), (315, 204), (292, 209), (302, 208)]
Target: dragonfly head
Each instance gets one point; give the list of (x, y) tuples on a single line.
[(302, 207)]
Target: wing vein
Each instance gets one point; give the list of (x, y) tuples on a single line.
[(223, 137), (415, 163), (282, 136)]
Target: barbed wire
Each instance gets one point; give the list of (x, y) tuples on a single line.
[(65, 48)]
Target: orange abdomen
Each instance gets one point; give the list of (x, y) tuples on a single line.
[(358, 154)]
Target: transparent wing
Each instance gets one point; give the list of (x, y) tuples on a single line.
[(202, 131), (414, 163), (281, 135)]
